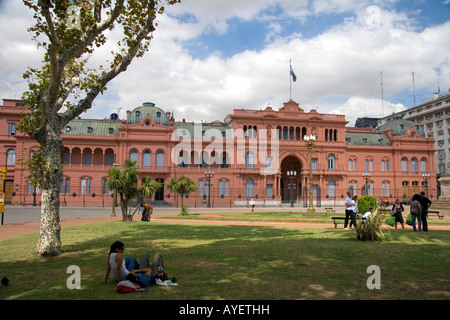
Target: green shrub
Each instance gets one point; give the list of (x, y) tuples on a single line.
[(365, 203), (184, 210), (370, 229)]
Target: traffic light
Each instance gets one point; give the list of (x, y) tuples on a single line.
[(3, 173)]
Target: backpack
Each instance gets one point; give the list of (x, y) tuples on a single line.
[(127, 286)]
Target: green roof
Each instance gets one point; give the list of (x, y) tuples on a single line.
[(400, 126), (148, 109), (108, 128), (365, 139)]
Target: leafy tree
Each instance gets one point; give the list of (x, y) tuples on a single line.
[(71, 32), (366, 202), (182, 185), (124, 181)]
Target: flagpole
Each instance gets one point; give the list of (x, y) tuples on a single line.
[(290, 81)]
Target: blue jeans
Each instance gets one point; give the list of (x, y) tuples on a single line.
[(419, 219), (144, 280), (131, 263)]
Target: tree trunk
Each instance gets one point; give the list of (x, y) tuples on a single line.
[(49, 237), (124, 206)]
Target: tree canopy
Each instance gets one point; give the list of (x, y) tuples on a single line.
[(71, 32)]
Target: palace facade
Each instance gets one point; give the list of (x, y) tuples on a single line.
[(259, 154)]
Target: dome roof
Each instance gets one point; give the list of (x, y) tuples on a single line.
[(400, 126), (148, 109)]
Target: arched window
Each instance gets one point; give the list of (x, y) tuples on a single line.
[(146, 158), (285, 133), (223, 187), (331, 160), (249, 160), (160, 158), (86, 184), (423, 165), (11, 157), (413, 165), (369, 164), (133, 155), (404, 165), (249, 187)]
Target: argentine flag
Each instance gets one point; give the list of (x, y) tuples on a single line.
[(294, 77)]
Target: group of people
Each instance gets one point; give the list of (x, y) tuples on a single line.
[(418, 209), (128, 268), (351, 210), (141, 273)]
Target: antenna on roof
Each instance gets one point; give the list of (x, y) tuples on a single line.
[(382, 95)]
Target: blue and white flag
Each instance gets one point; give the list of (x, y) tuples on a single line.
[(294, 77)]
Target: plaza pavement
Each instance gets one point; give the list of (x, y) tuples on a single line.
[(19, 220)]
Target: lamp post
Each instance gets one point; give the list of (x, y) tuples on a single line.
[(113, 214), (366, 176), (309, 142), (426, 176), (292, 175), (209, 174)]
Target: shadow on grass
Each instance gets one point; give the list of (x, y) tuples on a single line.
[(234, 262)]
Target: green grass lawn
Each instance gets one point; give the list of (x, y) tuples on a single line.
[(234, 263)]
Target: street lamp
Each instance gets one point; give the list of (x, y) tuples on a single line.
[(209, 174), (113, 214), (292, 175), (366, 176), (426, 176), (309, 142)]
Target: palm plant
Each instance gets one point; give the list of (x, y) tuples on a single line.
[(124, 182), (183, 185), (369, 230), (147, 190)]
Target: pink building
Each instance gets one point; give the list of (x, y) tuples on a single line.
[(254, 154)]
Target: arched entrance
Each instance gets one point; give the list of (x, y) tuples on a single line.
[(291, 179), (159, 194)]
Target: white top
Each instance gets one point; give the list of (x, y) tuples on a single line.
[(113, 264), (367, 215), (351, 203)]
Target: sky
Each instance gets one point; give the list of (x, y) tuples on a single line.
[(209, 57)]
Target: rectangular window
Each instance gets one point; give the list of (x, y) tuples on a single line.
[(314, 163), (269, 190), (11, 129)]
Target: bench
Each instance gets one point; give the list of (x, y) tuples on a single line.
[(336, 220), (329, 210), (436, 213)]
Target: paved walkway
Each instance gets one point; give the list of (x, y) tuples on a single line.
[(26, 220)]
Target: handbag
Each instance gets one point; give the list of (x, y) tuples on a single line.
[(390, 221), (409, 220)]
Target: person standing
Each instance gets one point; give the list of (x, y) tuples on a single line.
[(397, 210), (426, 203), (252, 204), (355, 212), (349, 207), (415, 209)]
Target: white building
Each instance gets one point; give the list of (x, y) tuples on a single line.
[(434, 116)]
